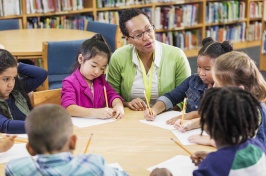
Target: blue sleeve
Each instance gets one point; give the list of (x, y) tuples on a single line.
[(179, 93), (216, 163), (11, 126), (31, 76)]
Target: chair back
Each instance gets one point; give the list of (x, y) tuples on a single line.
[(10, 24), (58, 57), (46, 96), (110, 32)]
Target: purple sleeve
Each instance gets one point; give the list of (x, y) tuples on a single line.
[(11, 126), (216, 163), (31, 76)]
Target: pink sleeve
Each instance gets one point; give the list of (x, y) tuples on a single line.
[(68, 94)]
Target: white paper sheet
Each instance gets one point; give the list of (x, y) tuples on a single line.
[(178, 165), (116, 165), (183, 136), (17, 151), (160, 120), (82, 122)]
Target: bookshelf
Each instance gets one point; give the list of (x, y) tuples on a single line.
[(263, 40), (238, 21)]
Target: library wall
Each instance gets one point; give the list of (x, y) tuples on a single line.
[(179, 23)]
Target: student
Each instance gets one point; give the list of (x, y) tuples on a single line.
[(6, 143), (51, 138), (144, 64), (230, 116), (14, 101), (194, 86), (238, 69), (83, 91)]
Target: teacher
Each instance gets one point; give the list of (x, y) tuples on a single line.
[(145, 63)]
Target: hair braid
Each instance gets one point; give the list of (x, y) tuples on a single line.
[(230, 115)]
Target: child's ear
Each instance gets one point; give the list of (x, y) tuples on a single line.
[(30, 149), (72, 142), (80, 59)]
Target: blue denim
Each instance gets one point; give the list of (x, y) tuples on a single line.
[(261, 133), (193, 88)]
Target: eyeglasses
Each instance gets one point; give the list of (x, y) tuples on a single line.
[(148, 30)]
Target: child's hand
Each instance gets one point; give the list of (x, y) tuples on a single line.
[(186, 126), (137, 104), (118, 112), (104, 113), (198, 157), (173, 120), (201, 139), (6, 143), (148, 116)]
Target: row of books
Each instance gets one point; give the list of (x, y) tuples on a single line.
[(256, 9), (46, 6), (10, 7), (225, 11), (263, 48), (234, 32), (62, 22), (113, 16), (254, 31), (183, 39), (118, 3), (176, 16), (191, 39)]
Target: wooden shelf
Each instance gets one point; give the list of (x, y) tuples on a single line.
[(90, 7)]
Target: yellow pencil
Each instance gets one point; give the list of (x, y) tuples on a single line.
[(21, 140), (184, 148), (105, 95), (183, 112), (88, 143), (148, 104)]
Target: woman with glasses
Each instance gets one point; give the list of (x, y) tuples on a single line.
[(145, 65)]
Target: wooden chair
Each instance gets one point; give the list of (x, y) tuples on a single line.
[(10, 24), (46, 96), (110, 32)]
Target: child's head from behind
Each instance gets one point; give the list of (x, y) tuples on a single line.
[(230, 115), (94, 55), (207, 54), (8, 73), (50, 130), (238, 69)]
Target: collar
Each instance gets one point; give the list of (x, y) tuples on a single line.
[(157, 57), (54, 159), (199, 85)]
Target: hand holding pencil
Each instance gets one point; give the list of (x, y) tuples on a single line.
[(148, 114)]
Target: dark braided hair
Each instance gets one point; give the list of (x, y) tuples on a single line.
[(230, 115), (8, 61), (92, 47), (214, 49), (127, 15)]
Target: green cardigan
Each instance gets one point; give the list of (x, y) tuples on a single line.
[(174, 69)]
